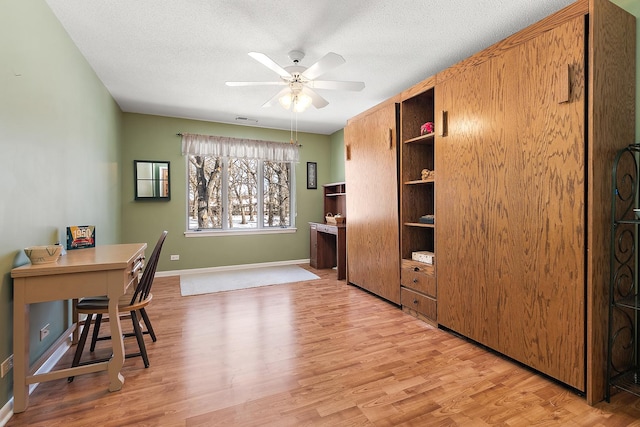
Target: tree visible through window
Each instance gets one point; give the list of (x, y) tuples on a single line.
[(238, 193)]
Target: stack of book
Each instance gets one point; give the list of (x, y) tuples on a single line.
[(424, 256)]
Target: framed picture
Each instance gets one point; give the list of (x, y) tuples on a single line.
[(312, 175), (151, 180)]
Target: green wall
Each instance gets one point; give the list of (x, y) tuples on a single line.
[(154, 138), (633, 7), (59, 138), (337, 156)]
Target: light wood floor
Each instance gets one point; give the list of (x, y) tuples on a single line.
[(318, 353)]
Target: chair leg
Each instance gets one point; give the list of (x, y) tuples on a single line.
[(96, 331), (81, 343), (147, 322), (140, 338)]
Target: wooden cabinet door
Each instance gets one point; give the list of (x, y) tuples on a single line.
[(470, 219), (543, 318), (373, 254), (510, 205)]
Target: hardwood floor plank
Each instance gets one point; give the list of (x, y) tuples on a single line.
[(318, 353)]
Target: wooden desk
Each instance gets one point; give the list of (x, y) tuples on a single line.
[(103, 270), (329, 247)]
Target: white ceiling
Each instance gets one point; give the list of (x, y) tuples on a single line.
[(172, 57)]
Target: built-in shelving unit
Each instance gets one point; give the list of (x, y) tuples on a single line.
[(417, 194)]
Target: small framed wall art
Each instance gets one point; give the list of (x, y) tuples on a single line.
[(312, 175)]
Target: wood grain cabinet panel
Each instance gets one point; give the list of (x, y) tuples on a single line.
[(373, 260), (511, 200), (466, 207)]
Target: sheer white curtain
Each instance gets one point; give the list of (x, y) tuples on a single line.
[(222, 146)]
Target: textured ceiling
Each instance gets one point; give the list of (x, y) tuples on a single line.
[(172, 57)]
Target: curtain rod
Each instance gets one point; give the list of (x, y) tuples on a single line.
[(180, 134)]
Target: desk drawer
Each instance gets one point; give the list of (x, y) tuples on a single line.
[(422, 304), (134, 269), (418, 276), (330, 229)]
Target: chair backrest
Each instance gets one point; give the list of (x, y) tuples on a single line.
[(144, 286)]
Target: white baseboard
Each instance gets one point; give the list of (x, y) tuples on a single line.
[(7, 410), (229, 267)]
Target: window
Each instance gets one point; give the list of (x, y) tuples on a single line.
[(227, 193)]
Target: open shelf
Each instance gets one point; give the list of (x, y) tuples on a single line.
[(421, 181), (422, 139), (419, 224), (335, 200)]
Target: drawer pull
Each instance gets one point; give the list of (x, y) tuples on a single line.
[(415, 280), (416, 268), (137, 266), (415, 301)]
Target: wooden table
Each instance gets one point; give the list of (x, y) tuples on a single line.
[(329, 247), (103, 270)]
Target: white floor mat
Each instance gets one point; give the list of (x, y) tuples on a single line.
[(204, 283)]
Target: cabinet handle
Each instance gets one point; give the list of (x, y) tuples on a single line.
[(564, 84), (348, 150), (444, 129), (416, 268), (415, 280), (390, 138), (415, 301)]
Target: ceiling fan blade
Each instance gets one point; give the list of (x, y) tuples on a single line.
[(276, 97), (326, 63), (316, 100), (269, 63), (281, 83), (334, 84)]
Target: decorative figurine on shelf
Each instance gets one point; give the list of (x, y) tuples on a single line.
[(426, 174), (426, 128)]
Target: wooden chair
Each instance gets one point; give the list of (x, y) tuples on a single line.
[(131, 304)]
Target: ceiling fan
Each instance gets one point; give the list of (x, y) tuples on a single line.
[(301, 81)]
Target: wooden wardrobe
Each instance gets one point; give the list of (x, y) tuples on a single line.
[(525, 135)]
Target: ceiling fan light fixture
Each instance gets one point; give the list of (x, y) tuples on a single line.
[(301, 81), (298, 101), (301, 102), (286, 100)]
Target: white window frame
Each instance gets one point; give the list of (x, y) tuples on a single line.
[(260, 228)]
